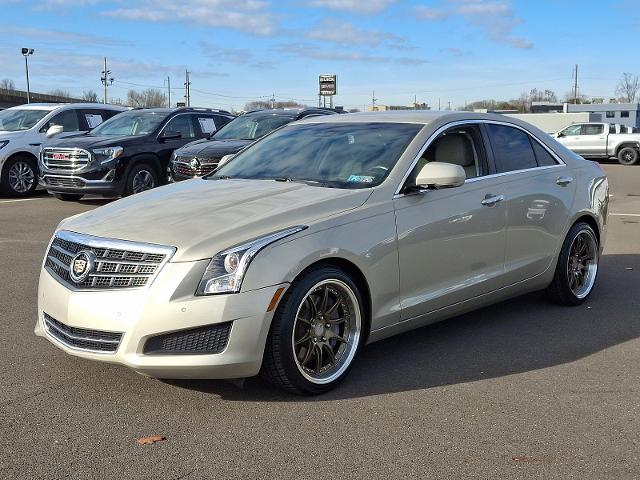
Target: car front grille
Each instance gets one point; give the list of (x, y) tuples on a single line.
[(65, 159), (183, 167), (209, 339), (63, 181), (98, 341), (118, 264)]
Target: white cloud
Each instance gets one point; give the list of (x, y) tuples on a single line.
[(250, 16), (356, 6), (495, 18), (345, 33), (310, 51)]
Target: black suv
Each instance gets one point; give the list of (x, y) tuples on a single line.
[(202, 156), (127, 154)]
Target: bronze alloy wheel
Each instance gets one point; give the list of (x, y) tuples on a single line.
[(326, 332), (582, 264)]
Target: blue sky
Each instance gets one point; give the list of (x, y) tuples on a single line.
[(240, 50)]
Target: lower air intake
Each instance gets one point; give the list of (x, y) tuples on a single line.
[(202, 340)]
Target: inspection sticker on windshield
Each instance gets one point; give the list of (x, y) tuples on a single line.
[(360, 179)]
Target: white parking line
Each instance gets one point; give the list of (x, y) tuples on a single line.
[(625, 214), (22, 200)]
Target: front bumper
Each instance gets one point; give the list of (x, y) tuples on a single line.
[(142, 313)]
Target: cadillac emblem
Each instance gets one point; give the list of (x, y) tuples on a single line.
[(194, 163), (82, 264)]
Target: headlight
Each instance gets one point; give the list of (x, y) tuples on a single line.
[(107, 154), (4, 143), (226, 270)]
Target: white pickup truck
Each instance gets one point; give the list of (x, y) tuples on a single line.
[(601, 141)]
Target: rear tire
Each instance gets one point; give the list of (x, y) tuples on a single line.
[(68, 197), (142, 177), (19, 176), (316, 332), (628, 156), (577, 266)]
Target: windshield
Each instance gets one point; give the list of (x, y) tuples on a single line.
[(132, 123), (20, 119), (250, 127), (342, 155)]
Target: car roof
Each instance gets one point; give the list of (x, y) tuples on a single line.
[(414, 116), (53, 106)]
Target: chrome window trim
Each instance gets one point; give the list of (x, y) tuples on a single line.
[(112, 244), (447, 126)]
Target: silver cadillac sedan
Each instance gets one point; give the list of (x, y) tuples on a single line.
[(330, 233)]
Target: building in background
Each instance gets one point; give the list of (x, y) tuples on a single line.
[(385, 108), (623, 113)]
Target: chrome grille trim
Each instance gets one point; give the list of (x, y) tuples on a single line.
[(86, 340), (60, 181), (120, 264), (184, 168), (76, 158)]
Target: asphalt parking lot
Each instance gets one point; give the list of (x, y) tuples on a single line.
[(522, 389)]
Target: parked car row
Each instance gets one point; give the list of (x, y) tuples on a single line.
[(24, 129), (79, 149)]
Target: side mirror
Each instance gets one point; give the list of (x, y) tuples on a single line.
[(559, 135), (225, 159), (54, 130), (169, 136), (441, 175)]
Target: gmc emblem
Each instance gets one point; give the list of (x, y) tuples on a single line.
[(61, 156)]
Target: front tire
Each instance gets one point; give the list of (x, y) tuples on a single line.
[(628, 156), (142, 177), (316, 332), (577, 266), (19, 177)]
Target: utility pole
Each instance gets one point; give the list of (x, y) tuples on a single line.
[(273, 100), (106, 80), (373, 101), (26, 52), (575, 86), (187, 89), (439, 106), (448, 105), (169, 90)]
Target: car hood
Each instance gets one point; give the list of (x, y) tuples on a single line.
[(91, 141), (203, 217), (212, 148)]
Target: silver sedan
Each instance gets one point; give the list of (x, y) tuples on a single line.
[(328, 234)]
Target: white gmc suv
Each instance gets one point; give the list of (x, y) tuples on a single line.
[(25, 128)]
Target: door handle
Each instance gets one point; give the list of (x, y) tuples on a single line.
[(564, 181), (491, 200)]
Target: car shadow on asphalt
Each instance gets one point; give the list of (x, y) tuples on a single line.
[(519, 335)]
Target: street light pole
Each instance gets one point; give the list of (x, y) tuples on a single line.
[(26, 52)]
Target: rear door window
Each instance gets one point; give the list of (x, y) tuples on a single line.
[(207, 124), (588, 129), (512, 148)]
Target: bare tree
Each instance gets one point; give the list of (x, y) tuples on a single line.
[(149, 98), (90, 96), (7, 84), (59, 92), (628, 87), (264, 104)]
